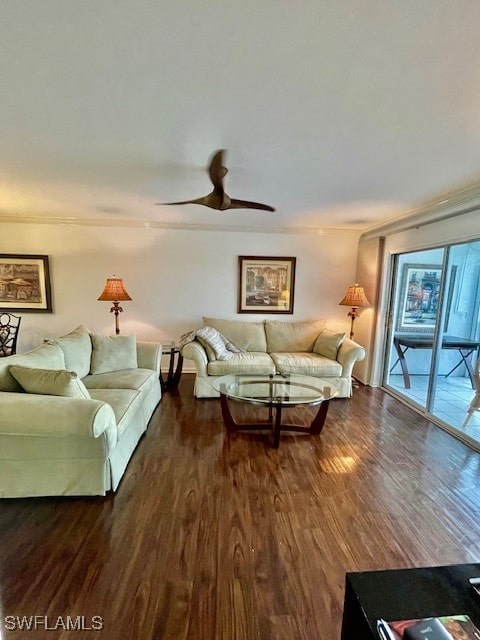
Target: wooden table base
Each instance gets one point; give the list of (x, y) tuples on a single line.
[(274, 424)]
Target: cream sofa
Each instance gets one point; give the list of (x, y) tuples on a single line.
[(306, 348), (64, 433)]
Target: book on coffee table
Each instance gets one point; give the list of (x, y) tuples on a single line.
[(457, 627)]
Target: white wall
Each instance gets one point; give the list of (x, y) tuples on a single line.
[(369, 263), (173, 276)]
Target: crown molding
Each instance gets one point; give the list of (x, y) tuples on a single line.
[(448, 205), (179, 226)]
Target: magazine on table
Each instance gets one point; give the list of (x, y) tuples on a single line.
[(457, 627)]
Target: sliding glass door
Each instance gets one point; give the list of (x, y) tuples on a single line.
[(434, 334), (454, 384), (414, 313)]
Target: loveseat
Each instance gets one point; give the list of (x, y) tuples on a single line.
[(72, 412), (270, 346)]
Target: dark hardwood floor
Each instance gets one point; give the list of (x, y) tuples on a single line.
[(216, 539)]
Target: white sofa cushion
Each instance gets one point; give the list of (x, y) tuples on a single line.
[(124, 403), (77, 349), (113, 353), (250, 362), (50, 382), (136, 379), (245, 335), (328, 344), (292, 336), (306, 364)]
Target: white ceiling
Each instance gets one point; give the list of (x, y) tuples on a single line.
[(338, 113)]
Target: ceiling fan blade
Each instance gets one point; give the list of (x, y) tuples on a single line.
[(246, 204), (195, 201), (214, 200), (218, 199), (216, 169)]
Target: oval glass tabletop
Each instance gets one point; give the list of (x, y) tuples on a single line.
[(285, 390)]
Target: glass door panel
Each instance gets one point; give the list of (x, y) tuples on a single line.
[(453, 387), (414, 315)]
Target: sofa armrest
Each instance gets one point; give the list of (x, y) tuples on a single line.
[(25, 414), (149, 355), (348, 354), (194, 351)]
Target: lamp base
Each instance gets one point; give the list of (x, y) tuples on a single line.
[(352, 314), (116, 309)]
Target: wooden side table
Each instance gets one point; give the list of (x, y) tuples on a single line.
[(174, 368)]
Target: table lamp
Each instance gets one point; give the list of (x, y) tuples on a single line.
[(114, 291), (355, 299)]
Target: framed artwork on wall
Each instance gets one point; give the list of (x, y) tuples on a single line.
[(25, 283), (418, 298), (266, 284)]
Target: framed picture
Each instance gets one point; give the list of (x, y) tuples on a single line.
[(25, 283), (266, 284), (418, 298)]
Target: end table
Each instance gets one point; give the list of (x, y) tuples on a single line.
[(174, 369)]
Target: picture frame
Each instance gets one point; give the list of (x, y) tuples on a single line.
[(266, 284), (418, 298), (25, 283)]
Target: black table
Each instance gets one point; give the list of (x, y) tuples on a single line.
[(406, 594), (464, 346), (174, 369)]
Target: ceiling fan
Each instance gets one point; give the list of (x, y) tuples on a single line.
[(218, 199)]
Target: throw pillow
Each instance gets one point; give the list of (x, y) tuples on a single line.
[(50, 382), (215, 341), (208, 349), (328, 343), (292, 337), (195, 335), (113, 353), (77, 349), (46, 356), (232, 346)]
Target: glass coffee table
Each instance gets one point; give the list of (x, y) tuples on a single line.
[(275, 392)]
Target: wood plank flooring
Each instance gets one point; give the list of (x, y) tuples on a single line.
[(210, 538)]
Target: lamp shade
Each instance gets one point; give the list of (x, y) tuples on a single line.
[(114, 291), (355, 297)]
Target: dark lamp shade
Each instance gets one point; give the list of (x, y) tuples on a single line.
[(114, 291), (355, 297)]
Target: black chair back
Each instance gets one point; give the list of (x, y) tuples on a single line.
[(9, 326)]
